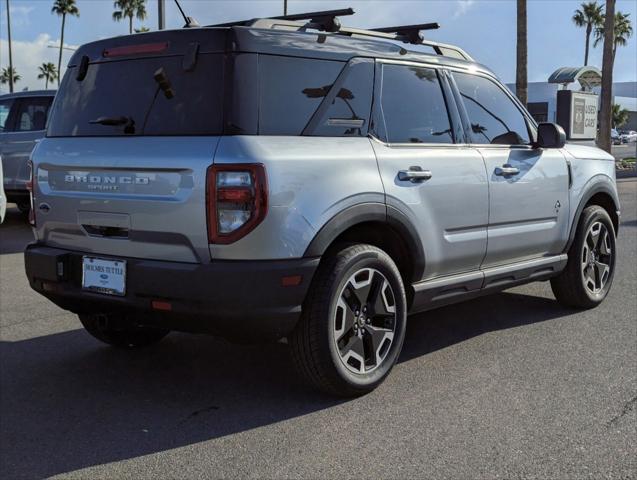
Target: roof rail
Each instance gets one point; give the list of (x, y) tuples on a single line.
[(327, 21)]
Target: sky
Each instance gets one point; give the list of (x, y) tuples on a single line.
[(484, 28)]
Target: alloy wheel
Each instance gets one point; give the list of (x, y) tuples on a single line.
[(364, 321), (597, 256)]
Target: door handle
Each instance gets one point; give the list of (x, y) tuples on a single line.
[(414, 175), (506, 170)]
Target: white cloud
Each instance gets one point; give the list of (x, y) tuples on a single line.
[(20, 16), (28, 56), (462, 7)]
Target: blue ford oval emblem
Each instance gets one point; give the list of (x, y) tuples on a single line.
[(103, 276)]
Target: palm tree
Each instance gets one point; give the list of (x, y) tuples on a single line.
[(521, 79), (130, 9), (623, 31), (589, 16), (607, 78), (9, 75), (48, 72), (619, 116), (63, 8)]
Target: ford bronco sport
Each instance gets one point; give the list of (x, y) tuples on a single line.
[(294, 178)]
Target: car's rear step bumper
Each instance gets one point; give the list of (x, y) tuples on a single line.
[(241, 299)]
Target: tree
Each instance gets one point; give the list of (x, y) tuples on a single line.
[(521, 79), (9, 75), (623, 30), (590, 16), (607, 78), (129, 9), (48, 72), (619, 116), (63, 8)]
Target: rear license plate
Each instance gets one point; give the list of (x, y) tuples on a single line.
[(104, 276)]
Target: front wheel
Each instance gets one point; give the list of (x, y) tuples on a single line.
[(353, 324), (589, 273), (118, 331)]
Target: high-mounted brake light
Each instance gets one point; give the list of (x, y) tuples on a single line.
[(135, 49), (237, 200)]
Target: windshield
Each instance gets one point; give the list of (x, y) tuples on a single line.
[(127, 98)]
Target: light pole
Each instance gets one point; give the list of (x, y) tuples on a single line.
[(161, 13), (285, 7), (10, 54)]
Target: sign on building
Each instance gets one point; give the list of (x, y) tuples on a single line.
[(577, 114)]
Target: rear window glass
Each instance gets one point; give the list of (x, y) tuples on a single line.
[(291, 89), (32, 113), (126, 93)]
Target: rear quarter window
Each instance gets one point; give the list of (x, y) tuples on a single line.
[(290, 91)]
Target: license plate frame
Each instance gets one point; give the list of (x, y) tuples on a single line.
[(105, 277)]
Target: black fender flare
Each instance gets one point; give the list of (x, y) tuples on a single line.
[(597, 187), (370, 212)]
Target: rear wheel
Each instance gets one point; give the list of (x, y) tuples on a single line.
[(353, 324), (588, 275), (118, 331)]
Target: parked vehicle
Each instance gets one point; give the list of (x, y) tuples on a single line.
[(263, 180), (629, 137), (3, 197), (615, 137), (23, 118)]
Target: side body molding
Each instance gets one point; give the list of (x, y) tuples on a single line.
[(370, 212)]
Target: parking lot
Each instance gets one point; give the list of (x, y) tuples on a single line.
[(504, 386)]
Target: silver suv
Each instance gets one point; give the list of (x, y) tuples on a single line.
[(23, 118), (293, 178)]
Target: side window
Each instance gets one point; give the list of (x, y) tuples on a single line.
[(5, 109), (414, 106), (32, 114), (291, 89), (494, 118), (347, 114)]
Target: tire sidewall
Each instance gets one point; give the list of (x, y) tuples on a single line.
[(382, 262)]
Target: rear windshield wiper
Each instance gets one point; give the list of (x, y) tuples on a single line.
[(116, 121)]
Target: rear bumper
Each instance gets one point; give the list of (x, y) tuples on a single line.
[(244, 299)]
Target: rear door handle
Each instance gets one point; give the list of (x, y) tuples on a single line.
[(506, 170), (414, 175)]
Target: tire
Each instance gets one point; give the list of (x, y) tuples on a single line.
[(332, 347), (584, 283), (117, 330), (24, 207)]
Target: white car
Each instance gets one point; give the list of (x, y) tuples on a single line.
[(629, 137)]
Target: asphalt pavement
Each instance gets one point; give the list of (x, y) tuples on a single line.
[(511, 385)]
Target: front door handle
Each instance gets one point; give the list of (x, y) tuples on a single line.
[(506, 170), (414, 175)]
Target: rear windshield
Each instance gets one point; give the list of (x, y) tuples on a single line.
[(124, 98)]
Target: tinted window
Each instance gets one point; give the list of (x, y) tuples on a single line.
[(348, 109), (291, 89), (127, 90), (494, 118), (414, 106), (5, 108), (32, 114)]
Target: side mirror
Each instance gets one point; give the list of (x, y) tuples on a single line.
[(550, 135)]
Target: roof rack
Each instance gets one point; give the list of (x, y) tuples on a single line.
[(327, 21)]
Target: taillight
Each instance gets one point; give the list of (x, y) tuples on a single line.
[(237, 200), (29, 186)]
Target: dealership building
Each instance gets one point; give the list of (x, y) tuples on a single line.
[(568, 92)]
